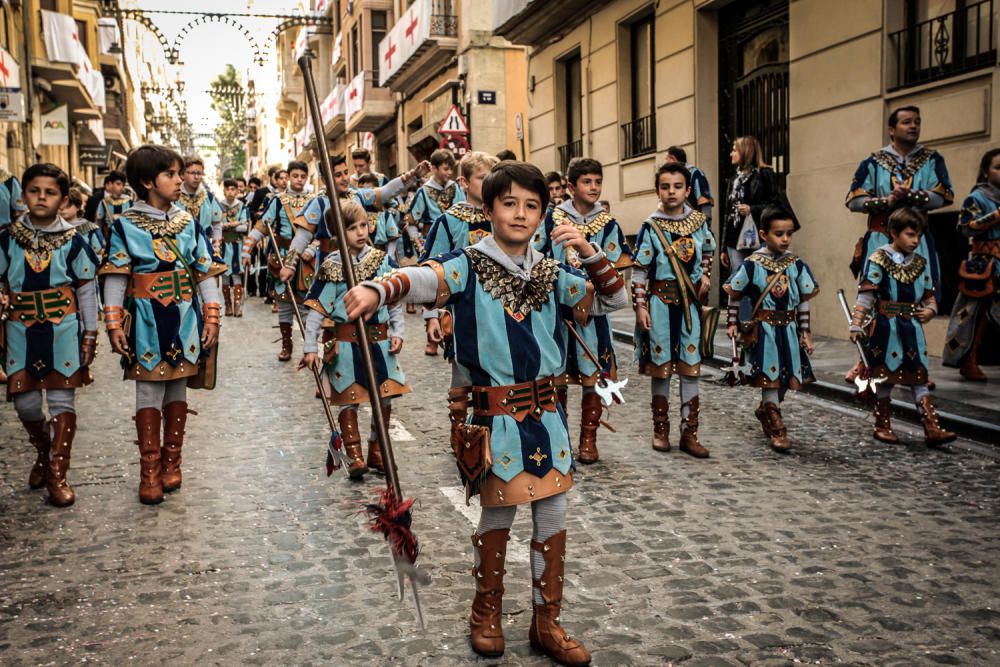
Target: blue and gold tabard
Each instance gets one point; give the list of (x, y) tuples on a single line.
[(43, 270), (92, 233), (460, 226), (896, 346), (11, 203), (776, 358), (431, 201), (281, 214), (386, 226), (109, 210), (601, 229), (204, 208), (233, 216), (165, 307), (342, 358), (673, 344), (701, 192)]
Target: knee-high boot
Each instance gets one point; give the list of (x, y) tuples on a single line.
[(374, 449), (174, 420), (147, 426), (970, 369), (590, 421), (38, 435), (348, 420), (227, 297), (776, 428), (934, 435), (238, 300), (485, 620), (883, 421), (689, 430), (286, 341), (63, 429), (546, 634), (661, 423)]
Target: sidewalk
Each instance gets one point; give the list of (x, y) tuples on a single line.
[(970, 408)]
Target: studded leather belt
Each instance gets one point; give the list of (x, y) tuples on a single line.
[(776, 318), (990, 247), (347, 332), (50, 305), (167, 287), (516, 400), (668, 291), (897, 308)]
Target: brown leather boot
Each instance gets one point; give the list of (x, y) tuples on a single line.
[(238, 300), (147, 426), (546, 634), (63, 429), (883, 421), (970, 369), (374, 450), (286, 341), (227, 297), (38, 435), (562, 395), (661, 423), (486, 620), (934, 435), (174, 419), (590, 420), (761, 416), (351, 437), (776, 428), (689, 430)]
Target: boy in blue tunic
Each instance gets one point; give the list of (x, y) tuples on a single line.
[(700, 198), (341, 356), (11, 201), (776, 286), (72, 212), (672, 275), (47, 273), (199, 203), (234, 229), (895, 298), (383, 229), (114, 203), (583, 211), (978, 301), (162, 312), (509, 303)]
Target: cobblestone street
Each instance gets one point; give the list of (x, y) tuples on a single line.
[(846, 551)]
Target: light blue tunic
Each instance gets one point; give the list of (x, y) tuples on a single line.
[(11, 203)]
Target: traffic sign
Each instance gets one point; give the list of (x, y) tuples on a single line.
[(457, 144), (453, 123)]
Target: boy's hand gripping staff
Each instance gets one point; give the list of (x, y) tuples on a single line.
[(390, 514), (865, 383)]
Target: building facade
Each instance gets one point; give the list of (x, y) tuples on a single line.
[(815, 81)]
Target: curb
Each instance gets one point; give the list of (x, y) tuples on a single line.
[(965, 427)]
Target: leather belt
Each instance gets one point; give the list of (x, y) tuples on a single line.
[(878, 222), (668, 291), (897, 308), (327, 245), (166, 286), (229, 236), (776, 317), (50, 305), (516, 400), (991, 247), (347, 332)]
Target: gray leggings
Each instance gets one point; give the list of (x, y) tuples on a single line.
[(29, 404), (775, 395), (884, 390), (689, 390), (158, 394), (548, 517), (235, 279), (286, 311)]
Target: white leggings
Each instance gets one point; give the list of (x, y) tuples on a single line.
[(158, 394), (29, 404)]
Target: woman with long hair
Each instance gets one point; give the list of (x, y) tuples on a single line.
[(753, 188)]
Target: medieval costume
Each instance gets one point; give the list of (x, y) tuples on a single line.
[(204, 208), (772, 294), (11, 204), (160, 287), (52, 323), (234, 230), (672, 255), (700, 198), (600, 228), (109, 210)]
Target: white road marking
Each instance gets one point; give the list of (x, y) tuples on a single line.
[(517, 550), (397, 432)]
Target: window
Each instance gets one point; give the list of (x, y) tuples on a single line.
[(4, 35), (81, 34), (943, 38), (573, 103), (51, 5), (356, 49), (379, 28), (640, 132)]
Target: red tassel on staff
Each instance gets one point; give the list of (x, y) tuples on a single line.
[(391, 517)]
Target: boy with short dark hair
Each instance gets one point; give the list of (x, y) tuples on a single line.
[(362, 162), (896, 296), (11, 202), (671, 278), (72, 212), (199, 202), (438, 194), (583, 211), (509, 301), (165, 336), (700, 198), (234, 228), (47, 273), (114, 203), (554, 182)]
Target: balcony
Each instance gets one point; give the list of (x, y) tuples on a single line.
[(367, 107), (569, 151), (332, 111), (534, 21), (639, 137), (424, 40)]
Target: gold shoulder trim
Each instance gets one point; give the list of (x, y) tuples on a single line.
[(147, 223), (332, 271), (685, 227), (904, 273), (27, 239), (518, 296), (771, 264)]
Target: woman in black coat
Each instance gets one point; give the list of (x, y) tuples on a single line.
[(753, 188)]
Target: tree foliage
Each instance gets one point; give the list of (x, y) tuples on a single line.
[(227, 93)]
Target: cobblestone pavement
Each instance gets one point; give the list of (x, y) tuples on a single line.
[(846, 551)]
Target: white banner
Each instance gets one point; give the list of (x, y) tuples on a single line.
[(337, 43), (333, 104), (355, 96), (55, 127), (62, 44), (411, 30), (108, 34), (11, 97)]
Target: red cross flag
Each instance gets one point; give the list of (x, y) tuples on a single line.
[(355, 99), (404, 40)]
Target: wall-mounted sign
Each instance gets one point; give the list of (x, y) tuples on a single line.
[(486, 96), (55, 127), (11, 98), (95, 156), (453, 123)]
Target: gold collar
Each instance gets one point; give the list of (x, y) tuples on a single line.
[(685, 227), (332, 270), (891, 163), (192, 203), (467, 214), (904, 273), (32, 239), (771, 264), (295, 201), (147, 223), (560, 216), (518, 296)]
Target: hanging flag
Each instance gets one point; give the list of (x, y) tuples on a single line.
[(62, 44), (355, 100)]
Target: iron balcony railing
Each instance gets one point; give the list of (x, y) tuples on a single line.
[(640, 136), (953, 43), (568, 152), (444, 23)]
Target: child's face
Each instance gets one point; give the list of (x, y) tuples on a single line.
[(515, 215), (556, 191), (281, 180), (361, 166), (993, 173), (167, 185), (70, 211), (43, 197), (442, 174), (906, 240), (672, 191), (473, 186), (357, 235), (230, 192), (341, 178), (115, 188), (193, 176), (778, 237), (297, 179), (587, 188)]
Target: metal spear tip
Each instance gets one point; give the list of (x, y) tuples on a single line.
[(417, 576), (610, 391)]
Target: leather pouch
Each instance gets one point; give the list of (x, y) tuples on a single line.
[(471, 446)]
